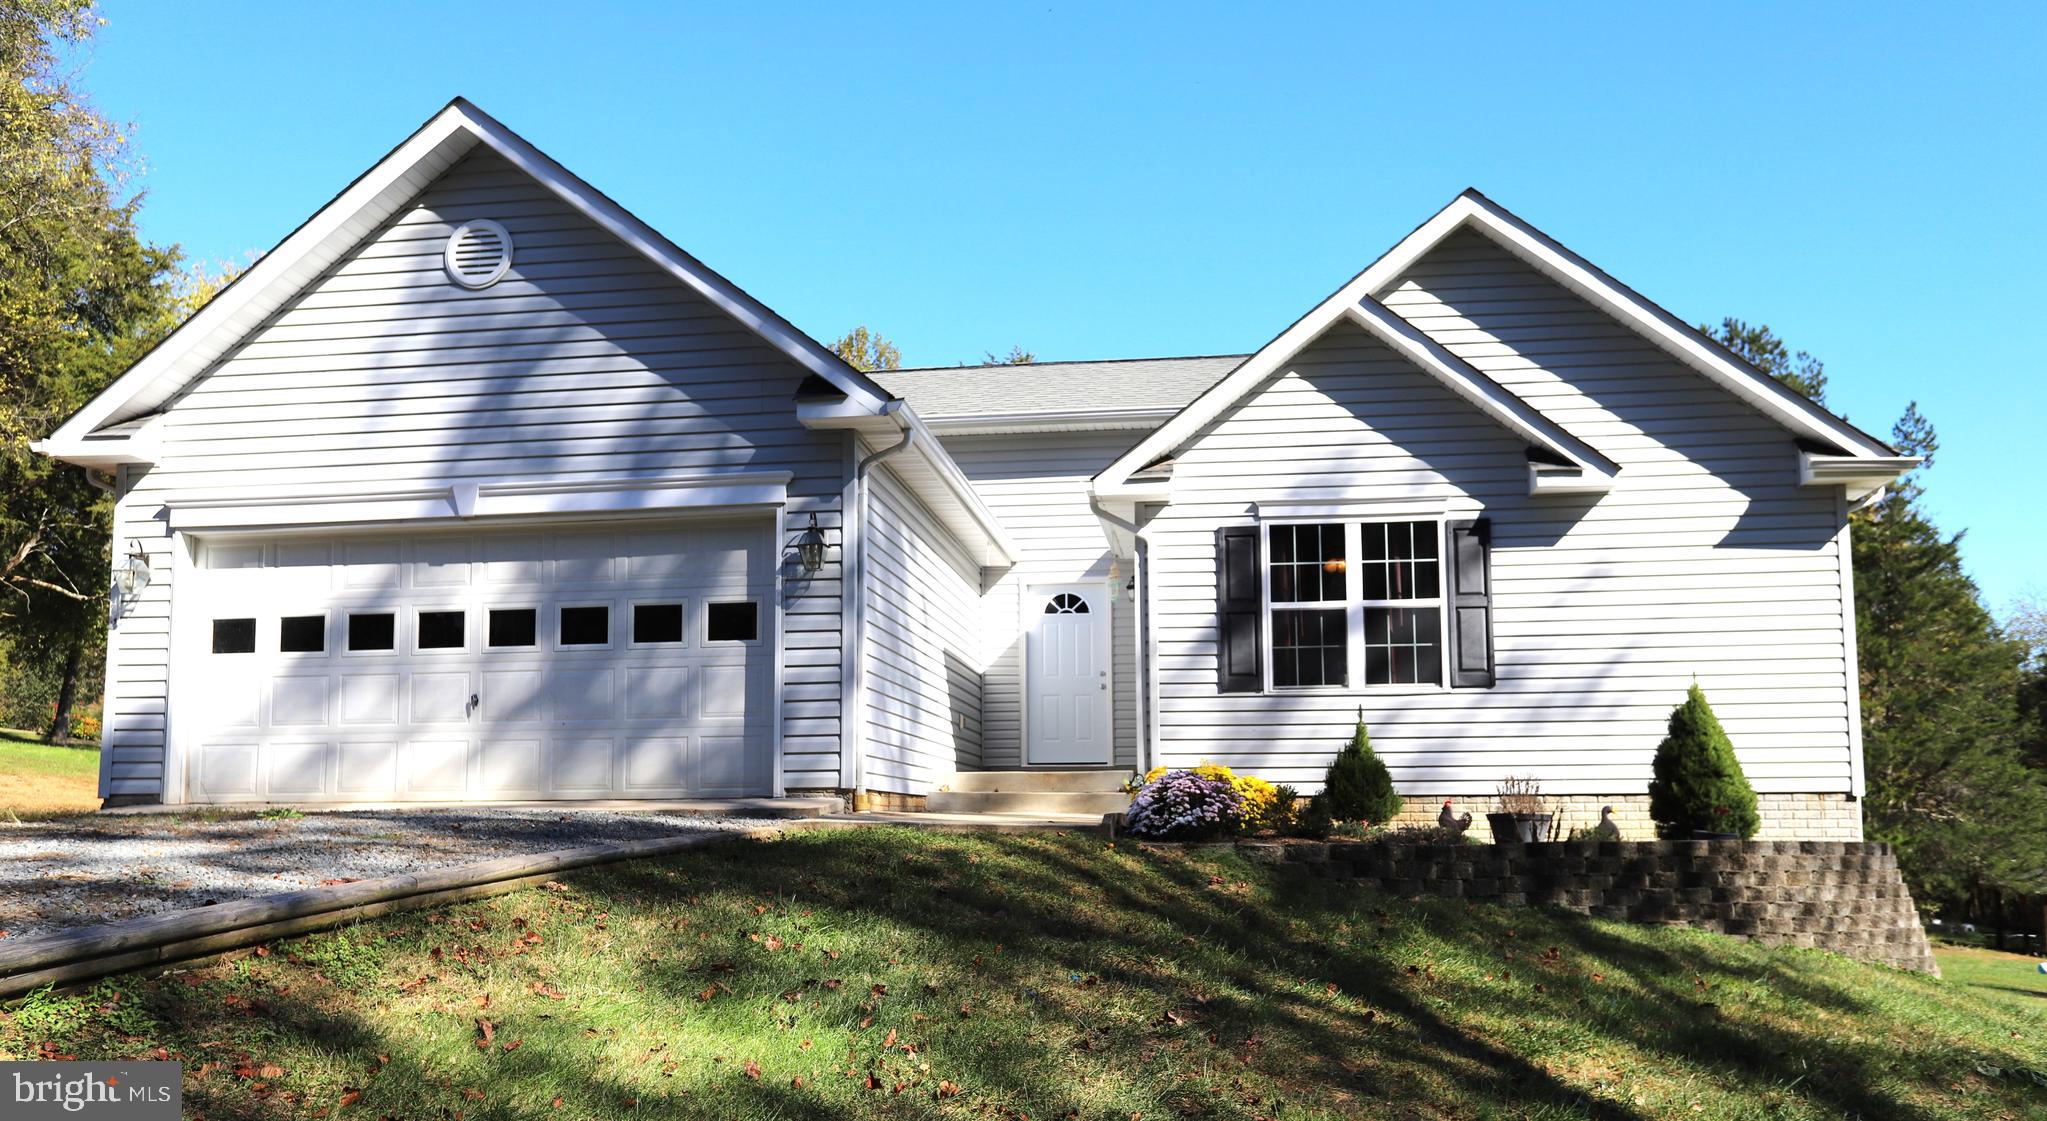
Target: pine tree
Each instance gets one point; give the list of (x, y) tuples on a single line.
[(1358, 787), (1944, 728), (1698, 784)]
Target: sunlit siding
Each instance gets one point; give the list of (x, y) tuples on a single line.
[(584, 362), (1706, 562), (1036, 483), (922, 703)]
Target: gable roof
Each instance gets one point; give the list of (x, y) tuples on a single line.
[(1585, 468), (90, 436), (1118, 393), (1357, 299)]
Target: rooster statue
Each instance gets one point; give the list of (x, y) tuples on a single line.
[(1452, 822), (1608, 829)]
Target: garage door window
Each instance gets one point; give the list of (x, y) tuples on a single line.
[(302, 634), (585, 626), (442, 630), (733, 622), (372, 631), (234, 636), (513, 626), (657, 623)]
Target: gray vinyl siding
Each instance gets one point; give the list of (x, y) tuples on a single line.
[(1037, 484), (585, 361), (1706, 561), (922, 703)]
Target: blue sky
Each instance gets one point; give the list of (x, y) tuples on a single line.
[(1122, 180)]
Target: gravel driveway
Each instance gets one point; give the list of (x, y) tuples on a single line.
[(87, 870)]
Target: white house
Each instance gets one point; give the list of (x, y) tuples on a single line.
[(477, 488)]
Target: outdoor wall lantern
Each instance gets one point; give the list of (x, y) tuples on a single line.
[(810, 548), (133, 575)]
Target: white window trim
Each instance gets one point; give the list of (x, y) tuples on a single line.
[(1354, 605)]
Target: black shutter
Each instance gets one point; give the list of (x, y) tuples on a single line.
[(1471, 605), (1239, 653)]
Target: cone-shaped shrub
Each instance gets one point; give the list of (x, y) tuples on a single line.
[(1358, 786), (1698, 783)]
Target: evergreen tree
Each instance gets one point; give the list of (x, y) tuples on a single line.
[(1944, 729), (1699, 785), (1358, 786), (1760, 347)]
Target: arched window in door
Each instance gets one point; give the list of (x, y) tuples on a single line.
[(1066, 603)]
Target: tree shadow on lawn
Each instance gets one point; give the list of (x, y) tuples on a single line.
[(1035, 975)]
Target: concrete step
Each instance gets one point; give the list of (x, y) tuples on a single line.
[(1026, 802), (1073, 782)]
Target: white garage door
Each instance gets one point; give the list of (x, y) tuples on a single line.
[(627, 662)]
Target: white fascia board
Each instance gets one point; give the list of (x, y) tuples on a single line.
[(953, 499), (1357, 307), (1862, 478), (1779, 403), (999, 550), (1482, 392), (461, 502), (370, 201), (721, 293), (275, 278)]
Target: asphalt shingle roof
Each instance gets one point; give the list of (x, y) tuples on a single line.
[(1130, 383)]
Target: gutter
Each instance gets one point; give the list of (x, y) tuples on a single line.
[(852, 732)]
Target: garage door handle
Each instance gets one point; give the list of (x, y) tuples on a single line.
[(472, 702)]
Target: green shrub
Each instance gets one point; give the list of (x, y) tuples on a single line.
[(1312, 821), (1358, 787), (1698, 783)]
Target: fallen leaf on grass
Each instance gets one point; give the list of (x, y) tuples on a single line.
[(541, 988), (514, 1044), (484, 1029), (753, 1070), (350, 1096), (557, 1101)]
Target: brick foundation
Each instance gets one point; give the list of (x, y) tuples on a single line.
[(1786, 817), (876, 800), (1846, 897)]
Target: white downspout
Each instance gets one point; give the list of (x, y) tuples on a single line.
[(853, 734)]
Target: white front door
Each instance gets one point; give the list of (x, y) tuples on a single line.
[(1066, 675)]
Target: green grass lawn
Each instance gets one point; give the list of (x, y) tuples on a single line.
[(39, 780), (2013, 979), (890, 973)]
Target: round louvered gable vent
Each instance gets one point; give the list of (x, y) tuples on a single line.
[(478, 254)]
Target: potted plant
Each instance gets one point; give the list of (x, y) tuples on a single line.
[(1699, 791), (1522, 817)]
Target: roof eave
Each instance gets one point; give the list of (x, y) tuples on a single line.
[(369, 201), (1862, 479), (938, 483)]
